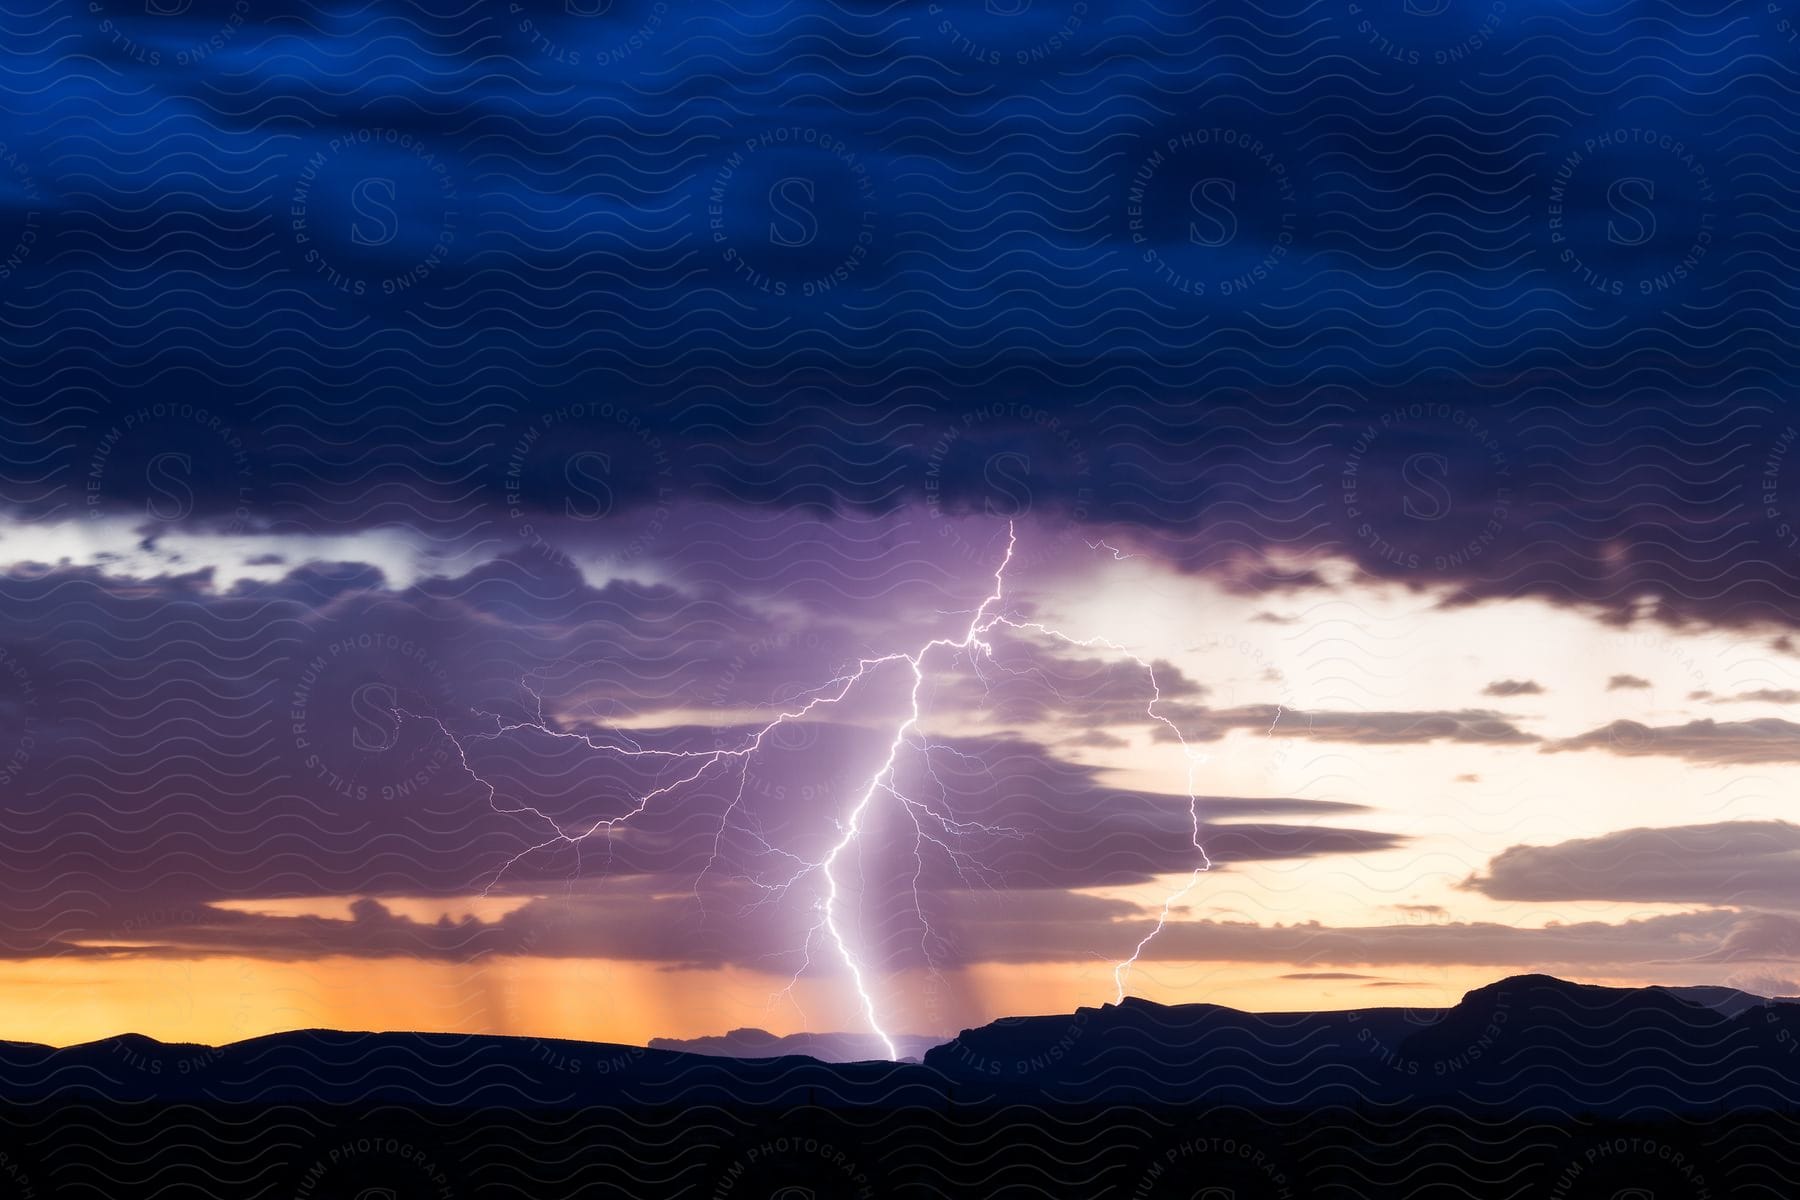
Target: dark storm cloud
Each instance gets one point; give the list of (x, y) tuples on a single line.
[(1513, 687), (1765, 740), (1760, 937), (1726, 863), (1045, 683), (1422, 910), (1035, 679), (1480, 726), (1001, 300), (1584, 945)]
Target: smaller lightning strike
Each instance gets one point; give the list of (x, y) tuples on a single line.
[(1118, 554), (1194, 759), (972, 642)]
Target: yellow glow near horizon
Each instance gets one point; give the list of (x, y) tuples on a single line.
[(216, 1001)]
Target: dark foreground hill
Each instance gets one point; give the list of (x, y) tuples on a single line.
[(1531, 1087)]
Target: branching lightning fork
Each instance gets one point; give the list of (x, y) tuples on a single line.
[(930, 825)]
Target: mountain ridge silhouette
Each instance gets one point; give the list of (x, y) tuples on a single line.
[(1526, 1042)]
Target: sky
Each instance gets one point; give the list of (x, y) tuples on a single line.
[(599, 520)]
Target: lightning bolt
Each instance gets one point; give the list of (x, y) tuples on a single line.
[(973, 642), (1118, 554)]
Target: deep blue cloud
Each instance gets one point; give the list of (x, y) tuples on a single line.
[(1498, 297)]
